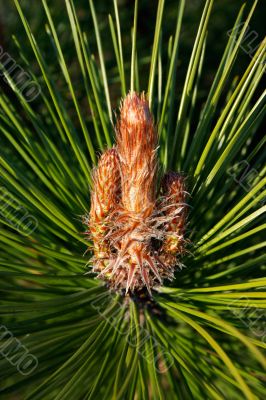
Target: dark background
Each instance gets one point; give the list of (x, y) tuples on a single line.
[(223, 16)]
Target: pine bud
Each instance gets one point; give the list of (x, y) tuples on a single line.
[(136, 145), (104, 198), (175, 208), (125, 220)]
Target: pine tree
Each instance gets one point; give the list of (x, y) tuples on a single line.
[(67, 213)]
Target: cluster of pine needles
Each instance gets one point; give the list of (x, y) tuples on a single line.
[(201, 335)]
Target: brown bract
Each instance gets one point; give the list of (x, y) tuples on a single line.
[(137, 238)]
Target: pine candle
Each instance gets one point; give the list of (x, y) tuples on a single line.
[(137, 238)]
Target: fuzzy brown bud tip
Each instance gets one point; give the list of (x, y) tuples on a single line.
[(136, 144), (106, 179)]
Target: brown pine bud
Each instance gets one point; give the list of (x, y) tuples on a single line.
[(136, 136), (175, 209), (104, 198), (125, 220), (136, 145)]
